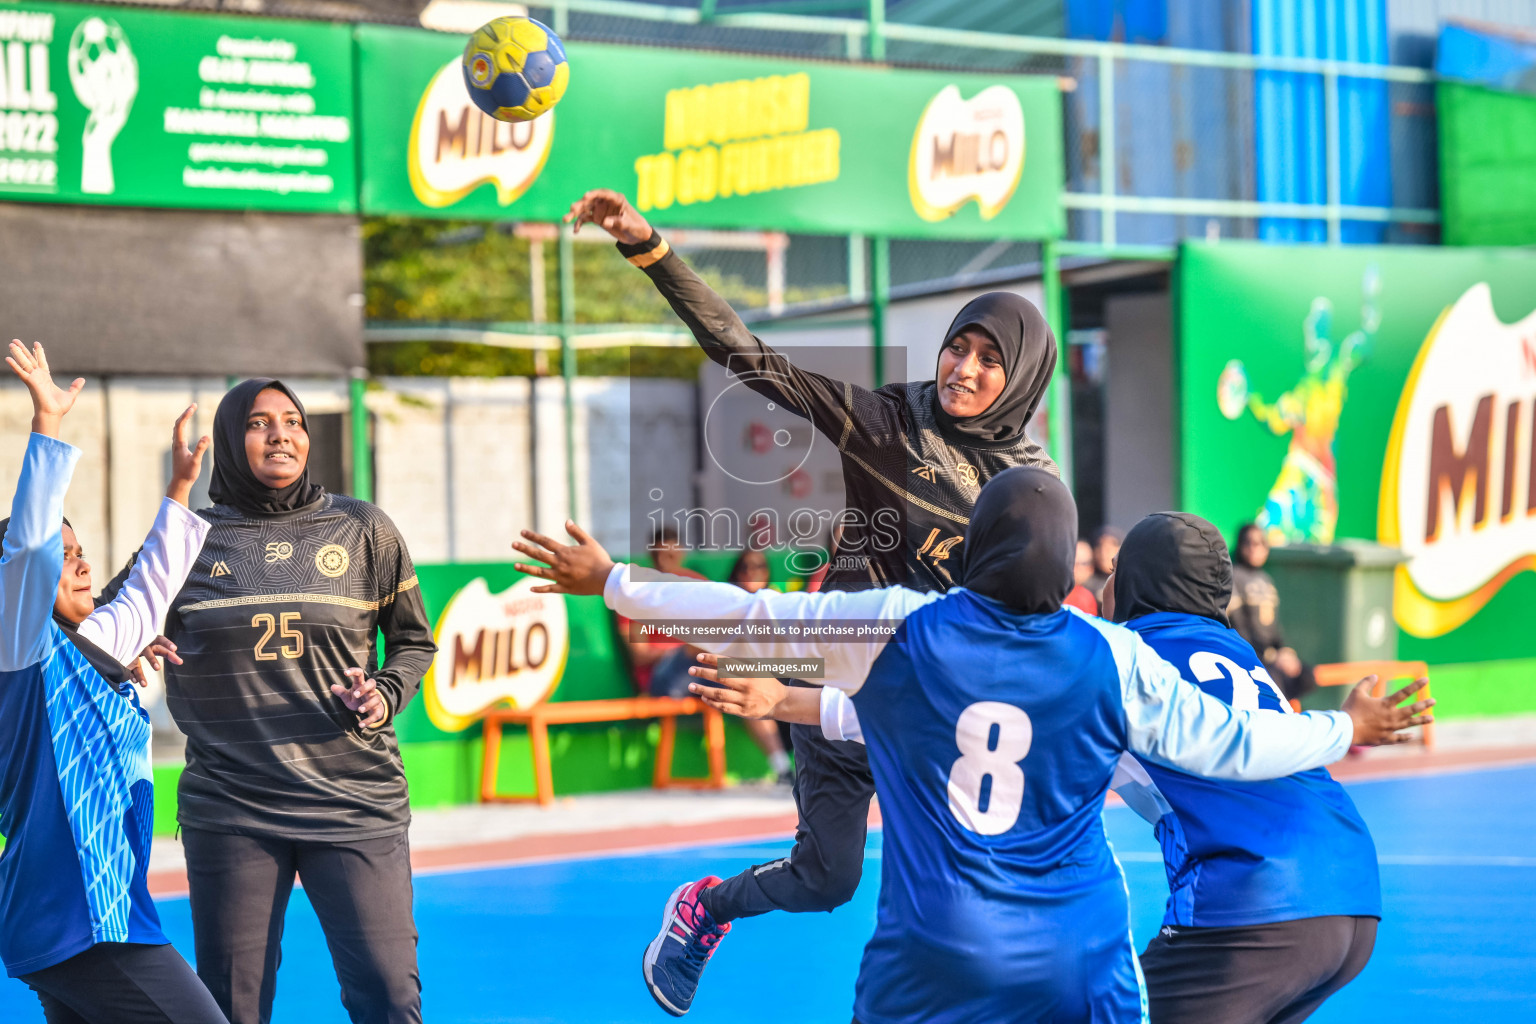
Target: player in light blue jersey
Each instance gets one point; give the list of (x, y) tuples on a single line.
[(76, 800), (1274, 893), (994, 720)]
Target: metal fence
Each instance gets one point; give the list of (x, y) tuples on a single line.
[(1161, 144)]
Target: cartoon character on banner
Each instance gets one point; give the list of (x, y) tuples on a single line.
[(1303, 502)]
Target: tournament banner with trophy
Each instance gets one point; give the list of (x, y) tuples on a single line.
[(1381, 393), (128, 107), (717, 141)]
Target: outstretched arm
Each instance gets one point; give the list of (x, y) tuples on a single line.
[(134, 616), (826, 402), (1173, 722), (822, 625), (32, 557)]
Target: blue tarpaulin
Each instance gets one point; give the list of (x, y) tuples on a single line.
[(1291, 126)]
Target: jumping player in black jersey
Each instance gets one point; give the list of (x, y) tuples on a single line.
[(292, 764), (921, 450)]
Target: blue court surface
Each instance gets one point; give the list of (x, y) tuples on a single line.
[(561, 942)]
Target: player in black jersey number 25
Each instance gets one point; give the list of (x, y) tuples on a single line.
[(292, 764), (918, 453)]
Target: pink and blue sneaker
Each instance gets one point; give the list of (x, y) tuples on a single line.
[(676, 957)]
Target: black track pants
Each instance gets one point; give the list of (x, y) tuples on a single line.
[(833, 788), (123, 983), (361, 892)]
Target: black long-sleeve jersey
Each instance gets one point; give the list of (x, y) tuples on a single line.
[(909, 484), (276, 608)]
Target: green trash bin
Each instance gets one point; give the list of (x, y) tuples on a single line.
[(1336, 604)]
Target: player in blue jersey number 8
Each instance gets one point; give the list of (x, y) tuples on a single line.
[(994, 721), (1263, 924)]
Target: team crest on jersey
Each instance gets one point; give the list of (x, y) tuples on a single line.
[(967, 473), (279, 551), (219, 569), (332, 560)]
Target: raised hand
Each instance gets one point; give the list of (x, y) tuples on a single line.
[(186, 463), (362, 695), (1379, 721), (49, 402), (580, 568), (610, 211)]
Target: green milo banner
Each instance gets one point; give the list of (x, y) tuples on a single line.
[(717, 141), (121, 106), (1385, 393), (500, 643)]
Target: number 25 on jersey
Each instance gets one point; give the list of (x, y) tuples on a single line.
[(986, 784), (291, 641)]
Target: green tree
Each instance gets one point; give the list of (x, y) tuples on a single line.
[(475, 273)]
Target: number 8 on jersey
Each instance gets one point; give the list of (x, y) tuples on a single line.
[(986, 784)]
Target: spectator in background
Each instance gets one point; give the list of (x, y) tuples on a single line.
[(1255, 614), (1082, 565), (1106, 545), (1080, 597)]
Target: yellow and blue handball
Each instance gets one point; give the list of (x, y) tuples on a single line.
[(515, 68)]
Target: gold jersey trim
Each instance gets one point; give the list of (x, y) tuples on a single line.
[(842, 442), (906, 494), (656, 255), (250, 599), (409, 584)]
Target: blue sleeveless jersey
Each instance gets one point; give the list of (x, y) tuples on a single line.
[(1000, 900), (1245, 853)]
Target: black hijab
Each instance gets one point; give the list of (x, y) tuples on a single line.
[(1022, 541), (1029, 358), (112, 670), (1173, 562), (233, 482)]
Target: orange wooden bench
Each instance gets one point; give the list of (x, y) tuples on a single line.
[(540, 717), (1345, 673)]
